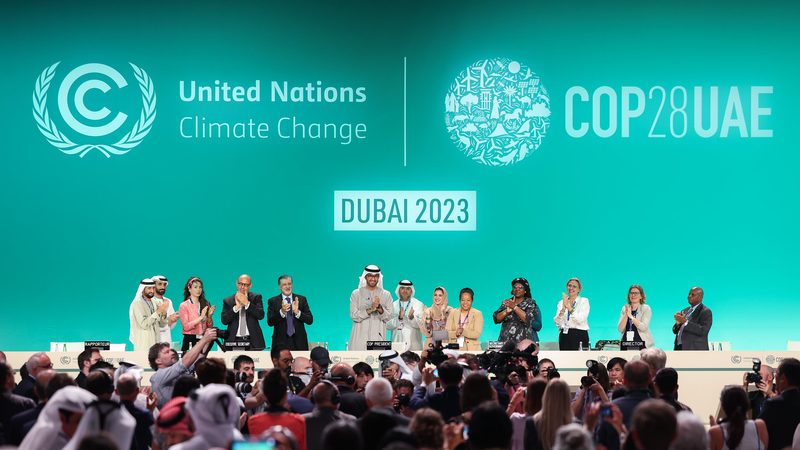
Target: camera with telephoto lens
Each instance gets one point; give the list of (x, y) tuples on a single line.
[(242, 386), (755, 375)]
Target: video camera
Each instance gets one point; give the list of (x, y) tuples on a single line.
[(755, 375), (502, 361)]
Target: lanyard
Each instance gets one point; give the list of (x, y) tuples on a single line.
[(630, 321), (466, 318), (574, 303)]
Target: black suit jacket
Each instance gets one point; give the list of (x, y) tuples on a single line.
[(299, 341), (353, 403), (782, 414), (254, 313), (25, 388), (11, 405), (695, 334), (21, 424), (447, 402)]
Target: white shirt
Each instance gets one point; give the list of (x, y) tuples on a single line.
[(577, 319)]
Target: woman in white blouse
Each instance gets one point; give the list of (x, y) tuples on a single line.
[(634, 321), (573, 318)]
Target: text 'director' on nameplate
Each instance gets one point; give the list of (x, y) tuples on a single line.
[(404, 211)]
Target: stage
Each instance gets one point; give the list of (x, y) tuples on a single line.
[(702, 375)]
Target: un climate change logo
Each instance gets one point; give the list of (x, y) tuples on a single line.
[(497, 111), (94, 134)]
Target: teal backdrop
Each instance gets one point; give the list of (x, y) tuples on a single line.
[(669, 213)]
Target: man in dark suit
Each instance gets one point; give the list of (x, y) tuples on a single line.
[(10, 404), (326, 398), (782, 413), (128, 389), (693, 323), (353, 403), (37, 363), (241, 313), (447, 402), (289, 314)]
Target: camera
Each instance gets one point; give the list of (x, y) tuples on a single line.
[(755, 375), (241, 385), (587, 381), (436, 354), (553, 374), (403, 400)]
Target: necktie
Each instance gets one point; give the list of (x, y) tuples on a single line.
[(242, 321), (289, 318)]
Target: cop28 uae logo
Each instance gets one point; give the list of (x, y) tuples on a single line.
[(99, 133), (497, 111)]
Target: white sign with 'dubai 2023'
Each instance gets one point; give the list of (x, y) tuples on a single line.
[(404, 211)]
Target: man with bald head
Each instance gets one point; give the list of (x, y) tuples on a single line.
[(241, 312), (693, 323), (38, 362), (344, 378)]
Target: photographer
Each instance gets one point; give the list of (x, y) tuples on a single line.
[(763, 378), (447, 402), (594, 387), (403, 389), (244, 370)]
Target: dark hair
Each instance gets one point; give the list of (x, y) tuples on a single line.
[(99, 382), (86, 355), (790, 368), (525, 285), (275, 352), (282, 277), (185, 385), (450, 372), (237, 363), (475, 390), (533, 396), (467, 290), (211, 371), (274, 386), (654, 423), (98, 441), (127, 386), (153, 353), (186, 295), (637, 374), (489, 427), (667, 380), (616, 360), (374, 425), (5, 372), (735, 403), (363, 368), (428, 426), (102, 365), (342, 435), (602, 377), (403, 383), (58, 381), (409, 356)]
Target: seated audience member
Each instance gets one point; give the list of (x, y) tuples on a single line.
[(532, 404), (128, 391), (737, 431), (447, 402), (215, 414), (168, 369), (540, 432), (666, 383), (653, 425), (47, 384), (782, 413), (85, 360), (59, 420), (353, 403), (691, 433), (37, 362), (489, 427), (275, 389), (342, 435), (326, 399), (363, 373), (428, 427), (10, 404), (573, 437), (174, 425)]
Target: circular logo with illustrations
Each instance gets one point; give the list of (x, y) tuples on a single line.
[(736, 359), (770, 359), (84, 120), (65, 360), (497, 111)]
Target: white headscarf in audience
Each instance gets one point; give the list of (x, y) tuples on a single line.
[(108, 416), (215, 412), (47, 434)]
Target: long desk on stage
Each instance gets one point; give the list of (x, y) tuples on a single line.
[(702, 375)]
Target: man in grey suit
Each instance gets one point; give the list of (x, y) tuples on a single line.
[(326, 400), (693, 323)]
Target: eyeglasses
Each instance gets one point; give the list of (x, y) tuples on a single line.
[(242, 284), (49, 366)]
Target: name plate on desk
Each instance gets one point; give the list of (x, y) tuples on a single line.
[(97, 345), (379, 345), (494, 345), (237, 345), (631, 345)]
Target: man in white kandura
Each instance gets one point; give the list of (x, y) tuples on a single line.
[(370, 309), (147, 316), (407, 312), (165, 333)]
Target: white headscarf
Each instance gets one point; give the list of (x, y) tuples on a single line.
[(46, 434), (108, 416), (405, 283), (215, 412), (371, 269), (393, 356), (142, 284)]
